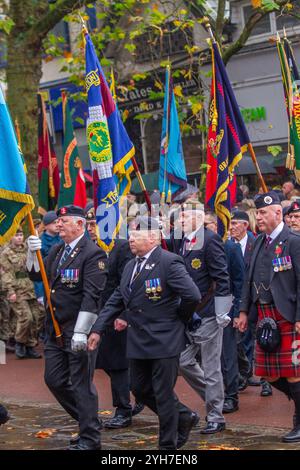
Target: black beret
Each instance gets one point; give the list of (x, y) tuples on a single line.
[(267, 199), (71, 210), (49, 217), (294, 207), (146, 223), (90, 215), (88, 207), (240, 215)]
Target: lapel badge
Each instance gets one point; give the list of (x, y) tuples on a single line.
[(196, 263), (101, 265)]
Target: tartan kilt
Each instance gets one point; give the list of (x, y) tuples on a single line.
[(285, 362)]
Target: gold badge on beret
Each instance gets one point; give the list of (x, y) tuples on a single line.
[(101, 265), (196, 263)]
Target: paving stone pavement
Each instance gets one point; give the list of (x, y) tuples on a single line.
[(47, 427)]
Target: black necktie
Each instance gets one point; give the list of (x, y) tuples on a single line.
[(138, 266)]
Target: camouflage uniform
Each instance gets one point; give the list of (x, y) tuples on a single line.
[(15, 280), (5, 328)]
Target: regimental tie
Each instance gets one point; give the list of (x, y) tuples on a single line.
[(138, 266), (268, 241), (65, 255)]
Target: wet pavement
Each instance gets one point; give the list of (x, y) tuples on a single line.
[(38, 422), (47, 427)]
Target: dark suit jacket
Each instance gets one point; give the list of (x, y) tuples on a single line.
[(155, 329), (284, 285), (112, 350), (249, 249), (91, 261), (236, 270), (206, 266)]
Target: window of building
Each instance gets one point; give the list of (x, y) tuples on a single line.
[(92, 14), (62, 30), (149, 46)]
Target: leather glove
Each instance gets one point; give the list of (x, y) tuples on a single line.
[(34, 243), (223, 319), (79, 342)]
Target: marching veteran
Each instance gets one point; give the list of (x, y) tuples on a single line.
[(155, 290), (273, 287), (77, 272)]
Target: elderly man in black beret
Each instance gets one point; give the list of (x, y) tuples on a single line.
[(273, 287), (155, 293), (77, 272), (293, 213)]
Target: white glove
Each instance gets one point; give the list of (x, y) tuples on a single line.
[(32, 261), (79, 342), (223, 320), (222, 308), (34, 243)]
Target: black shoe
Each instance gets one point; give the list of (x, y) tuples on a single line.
[(185, 427), (213, 428), (74, 440), (230, 405), (254, 382), (20, 350), (4, 415), (9, 348), (84, 446), (138, 407), (243, 384), (266, 389), (31, 353), (293, 435), (118, 422)]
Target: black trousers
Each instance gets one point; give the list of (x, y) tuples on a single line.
[(69, 377), (153, 382), (120, 390), (229, 362)]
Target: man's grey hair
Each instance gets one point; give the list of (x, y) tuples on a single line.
[(76, 219)]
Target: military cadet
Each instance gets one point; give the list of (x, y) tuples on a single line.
[(273, 286), (204, 257), (76, 270), (293, 214), (112, 350), (155, 290), (6, 332), (21, 297)]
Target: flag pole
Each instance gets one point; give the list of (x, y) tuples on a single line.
[(58, 334), (250, 146)]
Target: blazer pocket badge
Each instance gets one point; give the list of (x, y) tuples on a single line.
[(196, 263)]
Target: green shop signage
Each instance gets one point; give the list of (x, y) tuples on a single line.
[(254, 114)]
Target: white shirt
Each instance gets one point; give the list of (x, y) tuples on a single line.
[(146, 256), (74, 242), (276, 231), (243, 243)]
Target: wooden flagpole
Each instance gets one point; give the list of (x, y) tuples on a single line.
[(58, 334)]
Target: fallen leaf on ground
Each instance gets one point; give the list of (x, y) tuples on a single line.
[(45, 433), (105, 412)]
